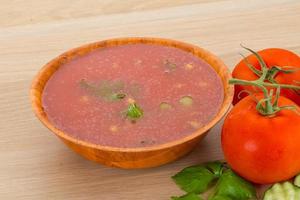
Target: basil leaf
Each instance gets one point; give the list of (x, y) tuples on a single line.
[(198, 178), (231, 186), (216, 167), (189, 196)]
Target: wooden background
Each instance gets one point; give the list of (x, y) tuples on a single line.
[(36, 165)]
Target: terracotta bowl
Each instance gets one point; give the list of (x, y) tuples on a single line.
[(141, 157)]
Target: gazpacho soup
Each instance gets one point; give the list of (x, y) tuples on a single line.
[(132, 95)]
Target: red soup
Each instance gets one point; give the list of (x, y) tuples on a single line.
[(133, 95)]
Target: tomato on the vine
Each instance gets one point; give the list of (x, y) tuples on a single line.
[(262, 148), (273, 57)]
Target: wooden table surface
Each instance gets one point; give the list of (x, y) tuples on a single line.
[(34, 164)]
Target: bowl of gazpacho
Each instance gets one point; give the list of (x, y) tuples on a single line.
[(132, 102)]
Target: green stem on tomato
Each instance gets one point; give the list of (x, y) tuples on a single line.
[(268, 74), (260, 84), (281, 85), (265, 106), (257, 83), (251, 67), (264, 68), (276, 97)]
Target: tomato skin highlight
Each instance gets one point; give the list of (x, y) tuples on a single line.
[(262, 149), (272, 57)]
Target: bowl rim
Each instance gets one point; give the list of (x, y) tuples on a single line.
[(40, 114)]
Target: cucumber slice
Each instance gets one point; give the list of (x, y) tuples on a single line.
[(165, 106), (282, 191), (297, 181), (186, 101)]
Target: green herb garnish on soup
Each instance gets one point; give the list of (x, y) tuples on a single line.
[(134, 112)]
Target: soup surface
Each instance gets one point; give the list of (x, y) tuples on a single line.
[(132, 95)]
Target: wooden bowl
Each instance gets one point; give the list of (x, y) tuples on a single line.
[(141, 157)]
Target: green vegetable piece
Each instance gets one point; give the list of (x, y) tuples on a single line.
[(117, 96), (282, 191), (189, 196), (231, 186), (165, 106), (198, 178), (134, 112), (186, 101), (297, 181)]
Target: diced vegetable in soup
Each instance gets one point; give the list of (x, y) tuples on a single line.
[(133, 95)]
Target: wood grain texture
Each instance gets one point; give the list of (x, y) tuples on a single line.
[(34, 164), (20, 12)]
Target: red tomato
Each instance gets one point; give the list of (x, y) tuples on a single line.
[(272, 57), (262, 149)]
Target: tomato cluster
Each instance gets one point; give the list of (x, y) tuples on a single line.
[(273, 58), (264, 147)]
